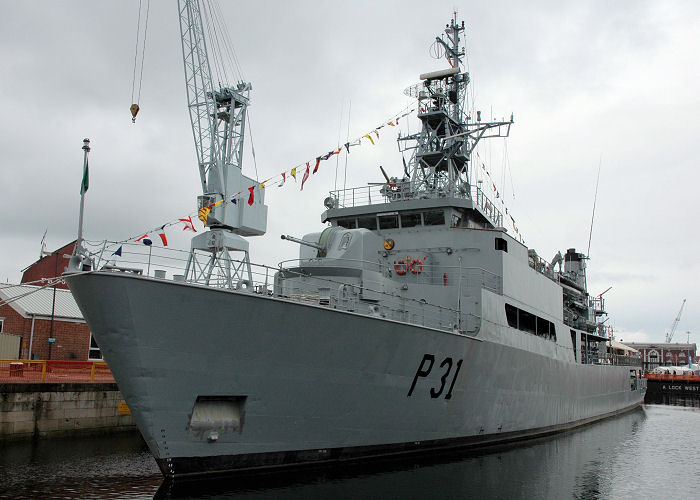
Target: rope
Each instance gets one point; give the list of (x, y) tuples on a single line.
[(252, 146), (136, 53), (50, 282), (143, 50)]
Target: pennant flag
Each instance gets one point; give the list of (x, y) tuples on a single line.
[(142, 237), (251, 198), (118, 252), (405, 168), (86, 177), (377, 132), (217, 203), (391, 123), (284, 179), (163, 238), (318, 161), (262, 185), (203, 214), (188, 224), (397, 120), (234, 201), (293, 173), (147, 242), (306, 176), (370, 138)]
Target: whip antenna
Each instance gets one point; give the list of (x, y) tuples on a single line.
[(595, 198)]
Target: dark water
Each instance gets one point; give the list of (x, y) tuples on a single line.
[(648, 453)]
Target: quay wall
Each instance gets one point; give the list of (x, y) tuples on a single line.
[(32, 411)]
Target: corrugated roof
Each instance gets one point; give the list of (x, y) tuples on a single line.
[(29, 300)]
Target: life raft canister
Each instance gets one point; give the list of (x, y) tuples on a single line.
[(401, 267), (416, 266)]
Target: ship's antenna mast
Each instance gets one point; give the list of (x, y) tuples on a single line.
[(217, 116), (448, 137)]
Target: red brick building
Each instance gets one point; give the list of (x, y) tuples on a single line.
[(663, 354), (49, 266), (32, 313), (48, 321)]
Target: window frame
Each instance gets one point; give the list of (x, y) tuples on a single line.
[(96, 348)]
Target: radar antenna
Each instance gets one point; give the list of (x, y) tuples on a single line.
[(443, 148)]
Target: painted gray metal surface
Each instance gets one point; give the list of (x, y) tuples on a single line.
[(316, 378)]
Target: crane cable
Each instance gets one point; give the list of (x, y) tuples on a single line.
[(135, 104)]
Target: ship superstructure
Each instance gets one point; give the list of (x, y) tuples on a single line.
[(412, 322)]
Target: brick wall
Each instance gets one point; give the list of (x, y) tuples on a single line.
[(72, 338), (49, 266)]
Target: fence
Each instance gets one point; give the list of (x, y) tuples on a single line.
[(36, 371)]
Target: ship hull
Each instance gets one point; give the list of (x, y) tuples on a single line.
[(310, 384)]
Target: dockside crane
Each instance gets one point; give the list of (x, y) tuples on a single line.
[(674, 325), (218, 119)]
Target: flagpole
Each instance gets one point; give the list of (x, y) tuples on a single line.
[(83, 189)]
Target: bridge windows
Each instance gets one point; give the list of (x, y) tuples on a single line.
[(394, 220), (389, 221), (347, 223), (434, 218), (367, 222), (410, 219), (530, 323)]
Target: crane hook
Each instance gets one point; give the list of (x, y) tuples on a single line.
[(134, 111)]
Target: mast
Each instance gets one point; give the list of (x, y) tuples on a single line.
[(439, 166)]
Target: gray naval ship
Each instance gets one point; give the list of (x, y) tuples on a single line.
[(413, 322)]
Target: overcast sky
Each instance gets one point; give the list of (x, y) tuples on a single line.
[(614, 83)]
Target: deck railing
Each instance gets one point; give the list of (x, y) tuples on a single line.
[(401, 191)]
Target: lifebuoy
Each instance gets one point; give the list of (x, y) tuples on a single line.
[(416, 266), (401, 266)]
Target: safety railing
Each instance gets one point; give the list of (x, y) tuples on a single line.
[(602, 358), (690, 377), (36, 371), (364, 293), (401, 190)]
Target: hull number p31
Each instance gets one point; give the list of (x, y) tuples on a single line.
[(426, 366)]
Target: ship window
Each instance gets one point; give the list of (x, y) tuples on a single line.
[(367, 222), (388, 221), (434, 218), (527, 322), (456, 220), (512, 316), (501, 244), (410, 220), (347, 223)]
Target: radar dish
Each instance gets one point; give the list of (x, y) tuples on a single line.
[(413, 90), (437, 50)]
